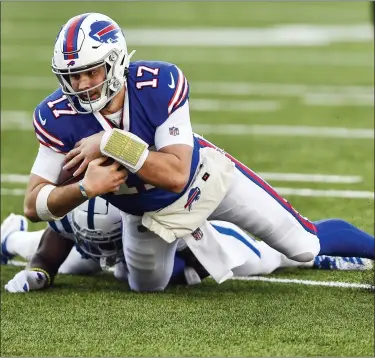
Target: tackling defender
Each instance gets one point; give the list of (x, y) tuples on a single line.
[(95, 227), (138, 114)]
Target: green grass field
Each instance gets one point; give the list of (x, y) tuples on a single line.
[(277, 107)]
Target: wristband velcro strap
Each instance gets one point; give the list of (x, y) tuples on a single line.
[(125, 147)]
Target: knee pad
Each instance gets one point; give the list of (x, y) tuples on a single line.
[(147, 281), (141, 259), (296, 243), (145, 273)]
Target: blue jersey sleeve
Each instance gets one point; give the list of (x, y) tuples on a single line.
[(174, 86), (50, 123), (164, 86)]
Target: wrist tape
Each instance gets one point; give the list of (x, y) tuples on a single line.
[(42, 206), (46, 274), (126, 148)]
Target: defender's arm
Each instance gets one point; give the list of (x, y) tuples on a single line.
[(41, 270), (53, 250)]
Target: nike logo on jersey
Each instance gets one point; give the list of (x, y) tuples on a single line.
[(43, 121), (172, 85)]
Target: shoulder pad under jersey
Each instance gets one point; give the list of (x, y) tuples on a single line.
[(163, 85)]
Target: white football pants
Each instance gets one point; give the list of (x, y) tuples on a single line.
[(150, 259)]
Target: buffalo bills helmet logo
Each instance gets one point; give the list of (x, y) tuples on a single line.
[(71, 63), (194, 195), (104, 31)]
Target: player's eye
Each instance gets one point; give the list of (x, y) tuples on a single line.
[(75, 77)]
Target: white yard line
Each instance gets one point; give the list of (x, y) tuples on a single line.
[(276, 89), (12, 192), (306, 282), (329, 193), (16, 120), (290, 177), (337, 99), (29, 82), (310, 95), (306, 192), (215, 105), (294, 34), (283, 130), (214, 87), (311, 178), (199, 56), (21, 120), (264, 279), (15, 178), (278, 35)]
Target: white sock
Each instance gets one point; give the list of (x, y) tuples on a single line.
[(24, 243)]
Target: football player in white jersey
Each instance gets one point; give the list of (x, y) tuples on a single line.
[(95, 228), (138, 114)]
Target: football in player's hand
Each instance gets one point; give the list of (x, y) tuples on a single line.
[(66, 176)]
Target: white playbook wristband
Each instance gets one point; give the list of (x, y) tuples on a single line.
[(124, 147), (42, 206)]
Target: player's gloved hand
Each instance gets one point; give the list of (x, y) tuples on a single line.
[(26, 280)]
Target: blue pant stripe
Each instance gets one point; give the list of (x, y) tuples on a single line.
[(235, 234)]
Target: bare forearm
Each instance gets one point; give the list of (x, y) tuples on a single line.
[(65, 199), (165, 171), (52, 252), (60, 201)]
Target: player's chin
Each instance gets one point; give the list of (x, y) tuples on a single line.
[(93, 97)]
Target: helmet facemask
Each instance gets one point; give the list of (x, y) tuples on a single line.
[(98, 244), (111, 85), (85, 42)]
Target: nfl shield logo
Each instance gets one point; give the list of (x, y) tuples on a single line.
[(197, 234), (174, 131)]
